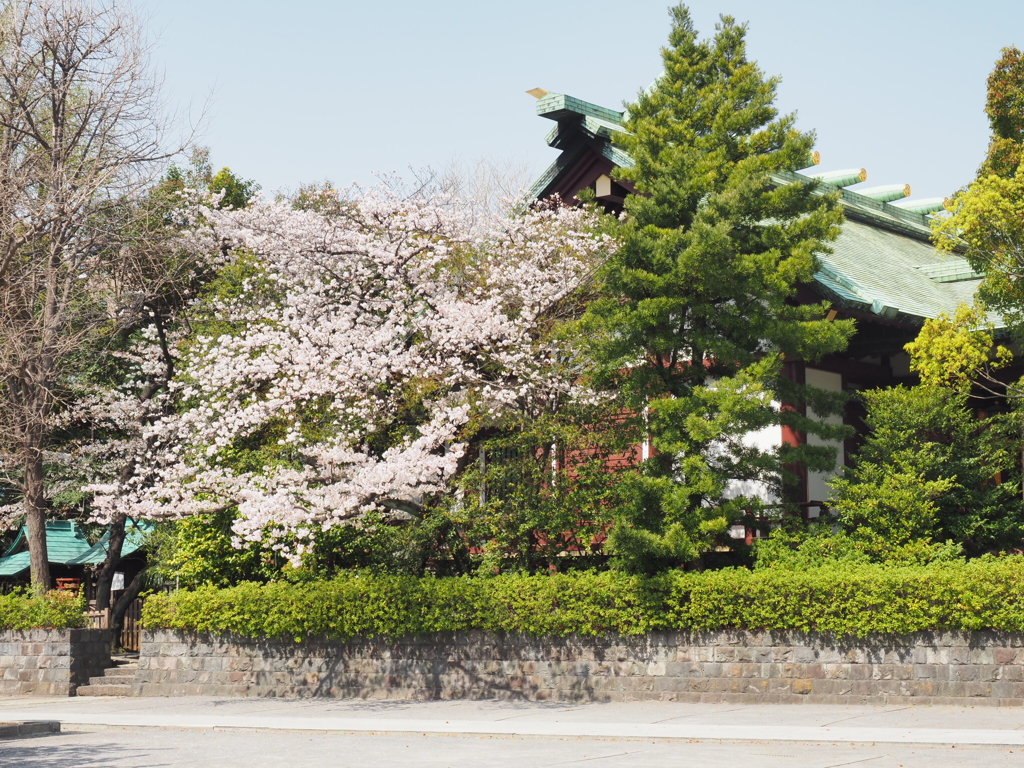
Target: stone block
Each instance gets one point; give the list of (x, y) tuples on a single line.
[(861, 671), (982, 656), (1012, 673), (1005, 655), (966, 673)]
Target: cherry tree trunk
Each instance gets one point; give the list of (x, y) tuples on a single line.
[(105, 578)]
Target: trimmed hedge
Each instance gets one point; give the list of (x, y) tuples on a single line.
[(56, 610), (857, 601)]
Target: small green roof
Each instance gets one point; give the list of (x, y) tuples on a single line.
[(64, 542), (135, 536), (12, 565)]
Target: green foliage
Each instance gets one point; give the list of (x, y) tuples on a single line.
[(986, 226), (198, 175), (382, 545), (699, 308), (235, 191), (819, 546), (1004, 105), (955, 352), (322, 197), (541, 488), (392, 606), (986, 221), (930, 469), (842, 598), (802, 549), (198, 551), (54, 610), (858, 600), (892, 502)]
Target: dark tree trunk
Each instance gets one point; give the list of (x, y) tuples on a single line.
[(35, 516), (121, 607), (105, 577)]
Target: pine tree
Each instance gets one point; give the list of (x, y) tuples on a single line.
[(700, 308)]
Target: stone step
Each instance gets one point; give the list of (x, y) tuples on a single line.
[(103, 689), (124, 671), (102, 680)]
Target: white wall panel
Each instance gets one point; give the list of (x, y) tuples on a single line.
[(817, 490)]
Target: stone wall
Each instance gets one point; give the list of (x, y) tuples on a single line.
[(51, 661), (979, 667)]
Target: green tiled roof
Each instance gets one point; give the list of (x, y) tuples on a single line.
[(950, 271), (617, 156), (886, 273), (64, 542), (135, 537), (883, 262), (558, 105), (12, 565)]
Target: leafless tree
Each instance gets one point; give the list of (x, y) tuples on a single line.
[(495, 186), (80, 137)]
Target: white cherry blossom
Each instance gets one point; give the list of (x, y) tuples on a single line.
[(348, 317)]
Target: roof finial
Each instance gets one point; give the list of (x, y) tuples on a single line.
[(844, 178), (886, 193), (922, 205)]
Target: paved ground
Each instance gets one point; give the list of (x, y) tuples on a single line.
[(202, 731)]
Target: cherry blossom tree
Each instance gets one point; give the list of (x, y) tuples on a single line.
[(365, 342)]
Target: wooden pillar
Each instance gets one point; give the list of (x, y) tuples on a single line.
[(795, 372)]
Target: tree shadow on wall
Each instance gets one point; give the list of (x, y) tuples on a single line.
[(452, 680)]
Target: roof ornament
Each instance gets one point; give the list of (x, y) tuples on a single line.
[(538, 93), (922, 205), (844, 178), (886, 193), (810, 161)]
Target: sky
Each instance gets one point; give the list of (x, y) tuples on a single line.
[(311, 90)]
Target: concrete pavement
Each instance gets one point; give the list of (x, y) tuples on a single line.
[(271, 732)]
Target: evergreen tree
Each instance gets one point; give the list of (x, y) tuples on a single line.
[(931, 470), (700, 308)]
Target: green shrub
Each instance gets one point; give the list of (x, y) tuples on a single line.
[(818, 547), (56, 610), (930, 469), (844, 599), (370, 606)]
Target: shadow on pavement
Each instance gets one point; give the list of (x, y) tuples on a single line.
[(398, 705), (48, 752)]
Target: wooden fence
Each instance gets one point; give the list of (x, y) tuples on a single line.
[(130, 629)]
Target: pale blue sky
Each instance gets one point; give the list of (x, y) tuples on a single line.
[(308, 90)]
